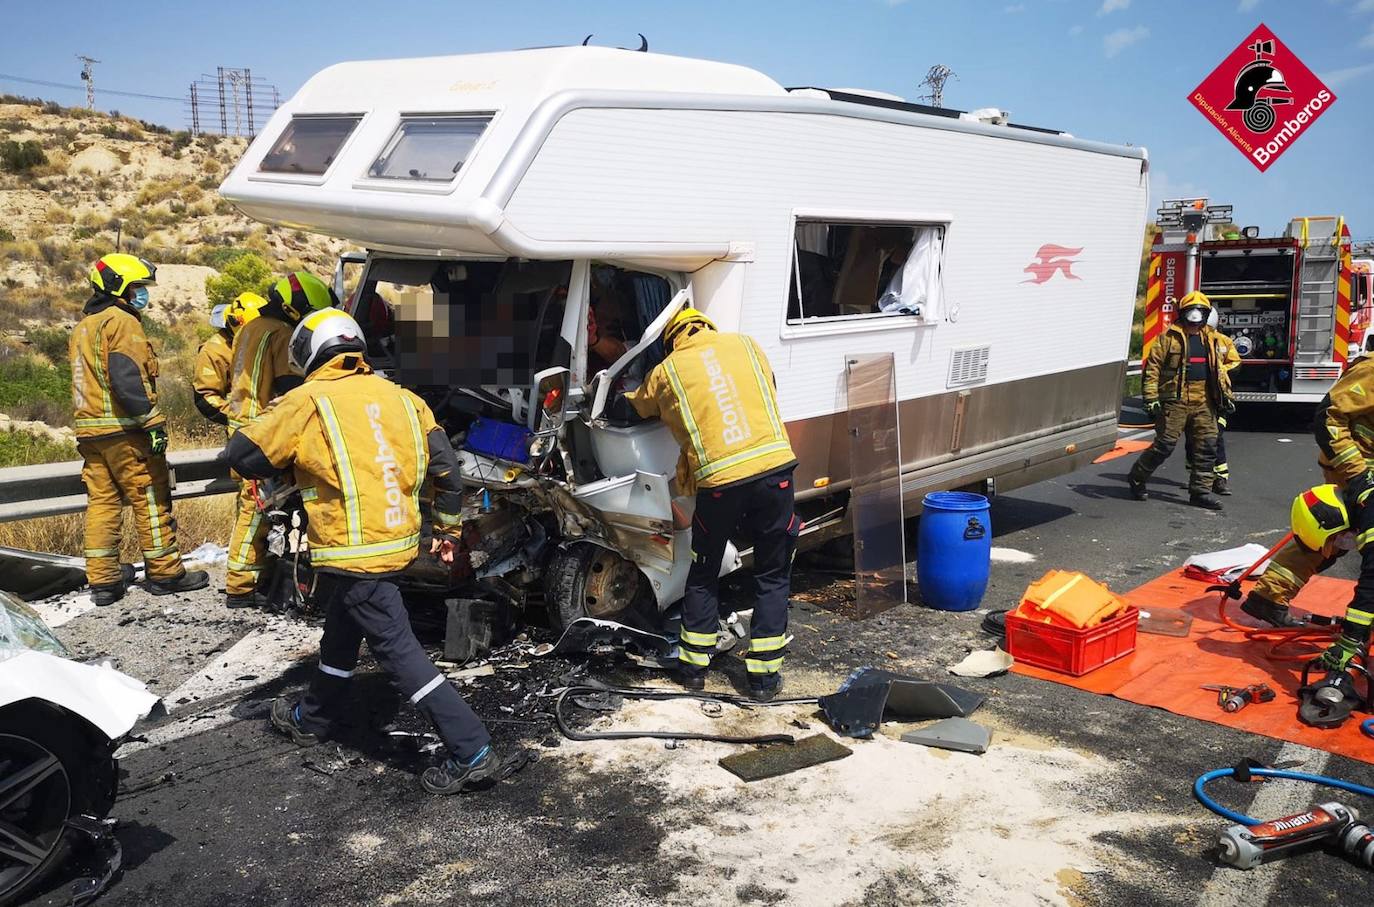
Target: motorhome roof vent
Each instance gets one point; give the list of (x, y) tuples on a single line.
[(993, 116), (968, 366)]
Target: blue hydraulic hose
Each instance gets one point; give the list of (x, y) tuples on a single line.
[(1323, 780), (1368, 727)]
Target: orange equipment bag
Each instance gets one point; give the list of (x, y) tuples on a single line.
[(1069, 599)]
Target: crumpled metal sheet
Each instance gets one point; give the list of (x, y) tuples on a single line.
[(858, 706), (32, 575)]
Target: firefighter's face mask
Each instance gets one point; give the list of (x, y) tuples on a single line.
[(139, 299), (1194, 315)]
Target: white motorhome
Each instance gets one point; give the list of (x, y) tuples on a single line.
[(517, 206)]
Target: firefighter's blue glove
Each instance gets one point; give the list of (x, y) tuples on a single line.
[(1153, 408), (157, 437)]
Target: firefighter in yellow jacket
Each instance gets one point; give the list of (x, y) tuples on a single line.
[(360, 447), (122, 436), (1344, 431), (716, 393), (260, 372), (1186, 385), (210, 380), (214, 359)]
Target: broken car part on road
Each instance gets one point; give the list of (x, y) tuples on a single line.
[(857, 708)]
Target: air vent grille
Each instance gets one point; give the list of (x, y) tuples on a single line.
[(969, 366)]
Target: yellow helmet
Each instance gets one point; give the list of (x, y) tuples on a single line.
[(300, 293), (1318, 514), (116, 272), (243, 309), (1197, 302), (681, 321)]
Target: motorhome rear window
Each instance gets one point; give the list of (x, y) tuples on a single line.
[(308, 145), (855, 270), (429, 149)]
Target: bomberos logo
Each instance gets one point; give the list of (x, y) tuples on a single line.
[(1262, 98)]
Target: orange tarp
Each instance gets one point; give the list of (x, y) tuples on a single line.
[(1123, 448), (1167, 672)]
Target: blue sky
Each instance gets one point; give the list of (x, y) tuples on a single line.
[(1115, 70)]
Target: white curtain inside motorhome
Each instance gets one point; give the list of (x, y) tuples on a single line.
[(915, 289)]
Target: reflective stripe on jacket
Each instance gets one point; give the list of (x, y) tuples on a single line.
[(211, 378), (716, 393), (114, 372), (360, 447), (259, 362), (1344, 424), (1167, 365)]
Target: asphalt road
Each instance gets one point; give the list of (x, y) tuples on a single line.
[(235, 814)]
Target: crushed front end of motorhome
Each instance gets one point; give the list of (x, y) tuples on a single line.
[(534, 218), (568, 490)]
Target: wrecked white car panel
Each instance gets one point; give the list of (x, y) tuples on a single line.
[(35, 665), (110, 700)]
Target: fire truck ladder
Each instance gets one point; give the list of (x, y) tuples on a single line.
[(1319, 238)]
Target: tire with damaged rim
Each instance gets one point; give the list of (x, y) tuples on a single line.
[(586, 580)]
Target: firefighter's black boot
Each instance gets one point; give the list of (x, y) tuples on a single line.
[(1221, 485), (246, 600), (1271, 612), (1205, 501), (189, 581), (286, 718), (104, 596), (692, 680), (454, 776), (1137, 487), (765, 691)]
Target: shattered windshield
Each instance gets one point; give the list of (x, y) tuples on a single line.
[(464, 324), (21, 630)]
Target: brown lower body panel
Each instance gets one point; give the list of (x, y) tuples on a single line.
[(1015, 432)]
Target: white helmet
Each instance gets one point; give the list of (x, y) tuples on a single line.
[(322, 335), (1213, 319)]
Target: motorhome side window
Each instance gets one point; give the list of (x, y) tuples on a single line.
[(429, 149), (308, 145), (464, 323), (859, 270)]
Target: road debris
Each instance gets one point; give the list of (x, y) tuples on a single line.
[(858, 707), (983, 663), (772, 761), (958, 734)]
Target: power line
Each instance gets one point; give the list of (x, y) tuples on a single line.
[(6, 77)]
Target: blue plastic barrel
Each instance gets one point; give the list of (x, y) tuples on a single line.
[(954, 552)]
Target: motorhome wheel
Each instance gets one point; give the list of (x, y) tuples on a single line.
[(590, 581)]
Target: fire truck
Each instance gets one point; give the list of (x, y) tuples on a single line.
[(1297, 306)]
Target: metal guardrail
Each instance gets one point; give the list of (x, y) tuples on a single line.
[(50, 489)]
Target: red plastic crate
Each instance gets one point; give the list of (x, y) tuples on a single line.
[(1070, 651)]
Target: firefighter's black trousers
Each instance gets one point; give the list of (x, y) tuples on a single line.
[(361, 608), (763, 508)]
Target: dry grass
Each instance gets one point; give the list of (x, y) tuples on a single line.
[(199, 520)]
